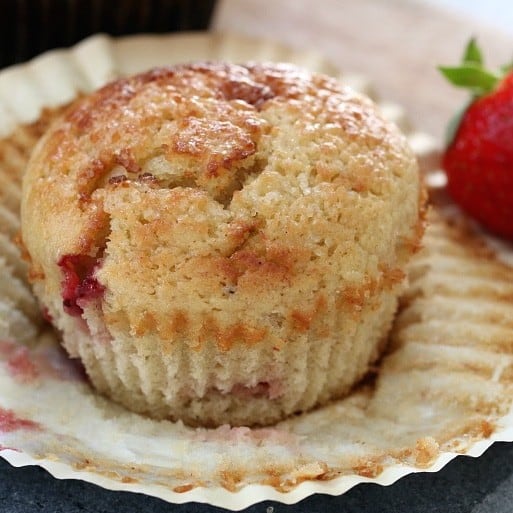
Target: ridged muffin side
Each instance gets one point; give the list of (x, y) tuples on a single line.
[(221, 243)]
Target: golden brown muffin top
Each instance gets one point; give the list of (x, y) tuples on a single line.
[(250, 197)]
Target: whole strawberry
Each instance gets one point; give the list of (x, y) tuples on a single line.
[(478, 160)]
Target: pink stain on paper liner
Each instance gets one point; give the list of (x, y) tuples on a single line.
[(10, 422), (28, 365), (7, 448), (20, 365), (243, 434)]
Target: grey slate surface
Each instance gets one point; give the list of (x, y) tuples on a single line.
[(482, 485)]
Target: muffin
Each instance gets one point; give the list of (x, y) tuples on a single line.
[(222, 244)]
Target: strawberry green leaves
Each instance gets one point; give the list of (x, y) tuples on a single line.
[(469, 76), (471, 73)]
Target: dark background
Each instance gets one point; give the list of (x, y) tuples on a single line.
[(28, 27)]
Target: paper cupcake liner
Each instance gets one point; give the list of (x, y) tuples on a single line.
[(443, 389)]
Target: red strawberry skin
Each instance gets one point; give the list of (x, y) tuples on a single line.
[(479, 161)]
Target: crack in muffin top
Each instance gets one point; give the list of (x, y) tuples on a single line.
[(205, 187), (198, 126)]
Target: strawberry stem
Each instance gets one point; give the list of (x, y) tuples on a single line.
[(472, 53)]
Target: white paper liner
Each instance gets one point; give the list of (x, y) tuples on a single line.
[(414, 418)]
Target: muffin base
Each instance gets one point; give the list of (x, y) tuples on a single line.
[(250, 386)]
